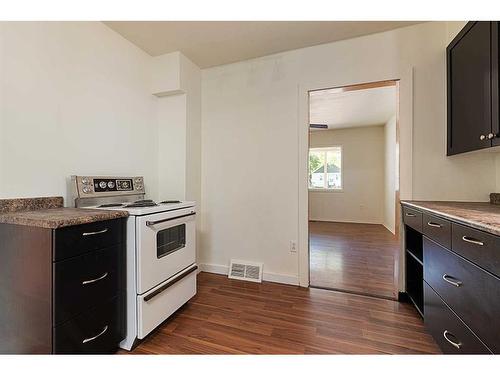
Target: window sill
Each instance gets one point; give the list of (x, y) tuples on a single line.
[(326, 190)]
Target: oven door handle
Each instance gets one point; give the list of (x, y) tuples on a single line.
[(179, 277), (151, 223)]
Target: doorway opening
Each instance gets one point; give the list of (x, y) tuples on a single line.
[(353, 181)]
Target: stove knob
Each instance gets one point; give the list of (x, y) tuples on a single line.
[(111, 184), (87, 189), (103, 184), (85, 181), (139, 187)]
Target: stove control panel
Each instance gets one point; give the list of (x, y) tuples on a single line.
[(98, 186), (114, 184)]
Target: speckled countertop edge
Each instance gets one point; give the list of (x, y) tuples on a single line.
[(49, 213), (485, 227), (29, 204)]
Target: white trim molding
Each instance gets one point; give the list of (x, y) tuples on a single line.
[(266, 276), (405, 152)]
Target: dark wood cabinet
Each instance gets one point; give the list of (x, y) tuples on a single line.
[(437, 229), (455, 283), (62, 290), (412, 218), (78, 239), (451, 334), (479, 247), (469, 291), (472, 88), (82, 282), (97, 330), (414, 266)]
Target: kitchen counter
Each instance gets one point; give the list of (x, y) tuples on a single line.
[(484, 216), (29, 204), (50, 213), (51, 257)]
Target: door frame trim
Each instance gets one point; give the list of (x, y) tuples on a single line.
[(404, 135)]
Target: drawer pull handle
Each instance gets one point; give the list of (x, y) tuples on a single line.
[(94, 280), (435, 225), (158, 291), (409, 214), (449, 279), (94, 233), (455, 344), (96, 336), (472, 240)]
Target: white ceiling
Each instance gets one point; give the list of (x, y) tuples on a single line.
[(368, 107), (210, 43)]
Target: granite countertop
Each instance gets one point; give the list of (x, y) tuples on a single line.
[(50, 213), (484, 216)]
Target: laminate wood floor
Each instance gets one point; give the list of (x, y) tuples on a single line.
[(360, 258), (238, 317)]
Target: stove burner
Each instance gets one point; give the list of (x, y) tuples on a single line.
[(147, 203), (144, 201), (110, 205), (170, 201)]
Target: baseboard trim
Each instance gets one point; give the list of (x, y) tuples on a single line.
[(347, 221), (272, 277), (214, 268)]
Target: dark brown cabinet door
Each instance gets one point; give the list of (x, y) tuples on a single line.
[(469, 58), (86, 281), (469, 291), (495, 83), (450, 333)]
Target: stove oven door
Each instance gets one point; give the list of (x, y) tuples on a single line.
[(165, 246)]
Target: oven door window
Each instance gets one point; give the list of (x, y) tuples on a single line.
[(170, 240)]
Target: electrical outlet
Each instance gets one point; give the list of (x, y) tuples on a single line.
[(293, 247)]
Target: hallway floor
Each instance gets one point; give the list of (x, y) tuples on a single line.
[(359, 258)]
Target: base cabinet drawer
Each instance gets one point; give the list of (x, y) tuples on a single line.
[(86, 281), (75, 240), (450, 333), (479, 247), (437, 229), (472, 293), (96, 331), (412, 218)]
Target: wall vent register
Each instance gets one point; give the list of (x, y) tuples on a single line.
[(244, 270)]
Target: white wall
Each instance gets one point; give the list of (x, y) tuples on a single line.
[(389, 199), (252, 124), (363, 164), (191, 80), (176, 81), (75, 98), (171, 145)]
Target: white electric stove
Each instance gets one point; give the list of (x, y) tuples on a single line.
[(161, 249)]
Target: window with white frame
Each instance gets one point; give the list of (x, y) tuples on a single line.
[(325, 168)]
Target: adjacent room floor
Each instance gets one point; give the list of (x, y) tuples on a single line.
[(238, 317), (360, 258)]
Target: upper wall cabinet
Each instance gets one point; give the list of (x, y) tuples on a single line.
[(472, 76)]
